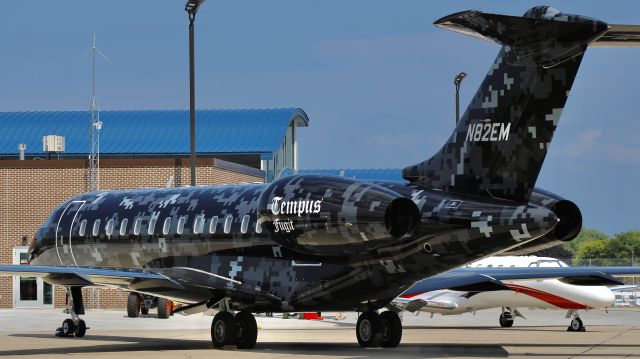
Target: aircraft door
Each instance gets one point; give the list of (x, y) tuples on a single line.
[(63, 233)]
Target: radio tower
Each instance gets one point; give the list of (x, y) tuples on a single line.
[(95, 125)]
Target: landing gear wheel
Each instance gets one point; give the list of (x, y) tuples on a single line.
[(369, 329), (246, 330), (133, 305), (576, 325), (144, 310), (81, 329), (506, 320), (223, 330), (164, 308), (391, 329), (68, 328)]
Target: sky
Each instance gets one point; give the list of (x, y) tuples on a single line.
[(374, 76)]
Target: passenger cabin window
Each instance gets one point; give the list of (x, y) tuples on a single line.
[(166, 226), (136, 226), (123, 226), (198, 224), (96, 227), (213, 224), (180, 227), (152, 226), (83, 227), (258, 226), (109, 227), (245, 224), (227, 224)]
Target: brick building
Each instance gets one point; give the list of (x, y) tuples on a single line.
[(138, 149)]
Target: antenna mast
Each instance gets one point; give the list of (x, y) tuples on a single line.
[(95, 125)]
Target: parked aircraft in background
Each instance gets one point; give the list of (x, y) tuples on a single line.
[(527, 282), (322, 243)]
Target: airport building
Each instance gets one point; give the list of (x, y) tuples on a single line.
[(137, 149)]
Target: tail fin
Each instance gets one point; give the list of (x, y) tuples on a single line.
[(499, 144)]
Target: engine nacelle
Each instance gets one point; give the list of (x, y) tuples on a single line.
[(328, 215), (566, 230)]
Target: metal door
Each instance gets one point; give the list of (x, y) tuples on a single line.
[(29, 292), (64, 230)]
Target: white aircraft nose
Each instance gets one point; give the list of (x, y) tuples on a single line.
[(601, 297)]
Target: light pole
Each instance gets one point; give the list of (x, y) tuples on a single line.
[(191, 8), (456, 82)]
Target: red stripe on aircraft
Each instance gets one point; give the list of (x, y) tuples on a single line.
[(547, 297)]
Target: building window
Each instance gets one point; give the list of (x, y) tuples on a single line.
[(109, 227), (83, 227), (152, 225), (245, 224), (166, 226), (136, 226), (213, 224), (227, 224), (96, 227), (123, 226), (180, 228)]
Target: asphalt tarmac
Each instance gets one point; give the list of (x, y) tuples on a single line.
[(543, 334)]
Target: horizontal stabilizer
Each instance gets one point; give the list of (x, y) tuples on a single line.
[(544, 41), (619, 36)]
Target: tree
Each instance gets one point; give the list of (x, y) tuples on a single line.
[(592, 249), (585, 235)]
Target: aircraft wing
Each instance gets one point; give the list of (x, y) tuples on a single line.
[(486, 279), (139, 280)]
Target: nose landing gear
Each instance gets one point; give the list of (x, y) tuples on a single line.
[(73, 326)]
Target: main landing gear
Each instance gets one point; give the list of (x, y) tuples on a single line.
[(73, 326), (576, 324), (373, 329), (240, 330), (506, 318)]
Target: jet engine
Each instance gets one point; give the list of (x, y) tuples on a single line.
[(568, 227), (328, 215)]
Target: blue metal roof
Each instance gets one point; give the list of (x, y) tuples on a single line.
[(152, 132), (372, 174)]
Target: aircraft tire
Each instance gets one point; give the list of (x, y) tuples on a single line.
[(246, 330), (576, 325), (81, 329), (68, 328), (164, 308), (223, 330), (391, 329), (133, 305), (504, 322), (369, 329)]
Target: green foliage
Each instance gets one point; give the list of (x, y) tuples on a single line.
[(591, 244), (585, 235)]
